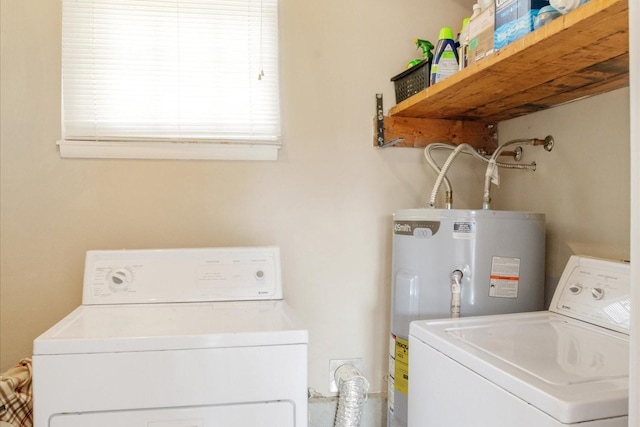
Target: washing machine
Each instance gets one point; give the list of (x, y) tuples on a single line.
[(568, 366), (175, 338)]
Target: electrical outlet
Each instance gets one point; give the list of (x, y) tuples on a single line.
[(334, 364)]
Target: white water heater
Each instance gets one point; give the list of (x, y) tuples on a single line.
[(450, 262)]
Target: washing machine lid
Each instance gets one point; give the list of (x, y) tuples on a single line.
[(569, 369), (156, 327)]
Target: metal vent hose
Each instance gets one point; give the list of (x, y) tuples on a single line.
[(352, 393)]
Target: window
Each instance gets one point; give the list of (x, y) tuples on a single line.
[(170, 79)]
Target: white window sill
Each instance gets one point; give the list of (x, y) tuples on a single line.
[(167, 150)]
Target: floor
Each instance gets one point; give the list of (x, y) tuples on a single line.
[(322, 411)]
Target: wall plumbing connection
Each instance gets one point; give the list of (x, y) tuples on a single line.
[(491, 160)]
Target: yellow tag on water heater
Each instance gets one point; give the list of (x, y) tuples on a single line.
[(402, 366)]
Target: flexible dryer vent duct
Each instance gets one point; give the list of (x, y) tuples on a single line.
[(352, 393)]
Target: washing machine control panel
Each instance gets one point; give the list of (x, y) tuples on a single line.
[(595, 291), (182, 275)]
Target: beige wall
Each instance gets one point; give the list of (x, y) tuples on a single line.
[(327, 202), (582, 185)]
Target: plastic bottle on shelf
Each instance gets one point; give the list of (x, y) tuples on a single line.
[(476, 11), (485, 4), (445, 61), (464, 37), (464, 44)]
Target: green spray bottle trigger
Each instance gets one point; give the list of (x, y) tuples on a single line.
[(426, 46)]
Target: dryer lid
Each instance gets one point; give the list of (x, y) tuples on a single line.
[(156, 327), (571, 370)]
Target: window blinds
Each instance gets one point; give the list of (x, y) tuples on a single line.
[(145, 72)]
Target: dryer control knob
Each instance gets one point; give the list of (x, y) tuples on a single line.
[(597, 293), (119, 279), (575, 288)]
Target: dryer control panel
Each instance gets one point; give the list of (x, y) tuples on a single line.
[(596, 291), (182, 275)]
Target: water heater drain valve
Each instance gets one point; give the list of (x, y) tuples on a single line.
[(456, 284)]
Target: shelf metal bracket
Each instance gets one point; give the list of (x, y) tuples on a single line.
[(380, 125)]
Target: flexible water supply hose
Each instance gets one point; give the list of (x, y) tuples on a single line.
[(436, 169), (441, 175), (491, 172), (352, 393), (468, 149)]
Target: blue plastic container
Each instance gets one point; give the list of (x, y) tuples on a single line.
[(514, 19)]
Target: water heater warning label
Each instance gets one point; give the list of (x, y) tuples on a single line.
[(505, 275)]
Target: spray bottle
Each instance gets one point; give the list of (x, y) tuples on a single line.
[(446, 60), (425, 46)]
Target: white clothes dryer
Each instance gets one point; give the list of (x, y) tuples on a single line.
[(568, 366), (175, 338)]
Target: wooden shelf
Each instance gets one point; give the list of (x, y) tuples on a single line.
[(583, 53)]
